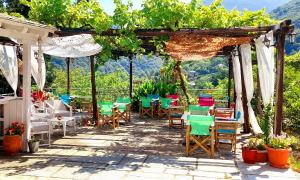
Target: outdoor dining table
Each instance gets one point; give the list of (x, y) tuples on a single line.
[(64, 121)]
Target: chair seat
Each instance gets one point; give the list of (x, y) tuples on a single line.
[(176, 115), (226, 131), (62, 113)]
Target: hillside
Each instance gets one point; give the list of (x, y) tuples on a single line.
[(290, 10), (142, 67)]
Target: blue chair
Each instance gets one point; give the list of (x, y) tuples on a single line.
[(226, 130), (65, 98)]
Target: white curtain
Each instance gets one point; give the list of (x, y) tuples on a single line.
[(38, 71), (9, 65), (245, 50), (238, 86), (266, 67)]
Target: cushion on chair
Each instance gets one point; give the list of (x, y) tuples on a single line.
[(226, 131), (176, 115)]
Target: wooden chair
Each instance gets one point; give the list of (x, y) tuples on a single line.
[(225, 113), (108, 115), (175, 114), (124, 105), (227, 130), (164, 106), (200, 130), (146, 107)]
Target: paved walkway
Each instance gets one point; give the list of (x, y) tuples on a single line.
[(143, 149)]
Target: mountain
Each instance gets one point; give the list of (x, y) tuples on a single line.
[(290, 10), (143, 67)]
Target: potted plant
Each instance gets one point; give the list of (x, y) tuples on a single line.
[(249, 151), (33, 144), (261, 154), (12, 140), (279, 148)]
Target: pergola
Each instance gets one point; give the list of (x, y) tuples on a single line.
[(199, 44), (27, 33)]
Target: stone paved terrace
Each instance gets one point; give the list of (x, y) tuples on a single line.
[(143, 149)]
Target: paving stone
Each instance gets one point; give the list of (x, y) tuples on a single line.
[(264, 177), (210, 174), (176, 171), (212, 165), (133, 159), (111, 175), (171, 162), (44, 172), (141, 175), (121, 167), (150, 169), (182, 177), (94, 165)]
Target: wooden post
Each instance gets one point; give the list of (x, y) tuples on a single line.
[(244, 99), (26, 91), (94, 92), (68, 75), (130, 77), (229, 81), (279, 82)]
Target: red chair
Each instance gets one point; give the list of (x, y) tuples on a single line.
[(206, 101), (175, 99)]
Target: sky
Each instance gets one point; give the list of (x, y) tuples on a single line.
[(109, 7)]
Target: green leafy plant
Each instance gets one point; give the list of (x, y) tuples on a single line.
[(282, 142), (266, 122)]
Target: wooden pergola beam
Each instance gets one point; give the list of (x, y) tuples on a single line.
[(232, 32)]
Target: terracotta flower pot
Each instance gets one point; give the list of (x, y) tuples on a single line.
[(249, 155), (12, 144), (262, 156), (278, 157)]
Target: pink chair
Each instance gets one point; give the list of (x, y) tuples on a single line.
[(206, 101), (175, 99)]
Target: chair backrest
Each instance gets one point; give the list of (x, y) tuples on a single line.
[(65, 98), (165, 102), (206, 101), (146, 102), (175, 98), (153, 96), (123, 100), (105, 107), (205, 96), (198, 110), (223, 113), (57, 104), (238, 116), (200, 125)]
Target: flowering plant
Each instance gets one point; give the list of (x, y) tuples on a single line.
[(15, 129), (282, 142)]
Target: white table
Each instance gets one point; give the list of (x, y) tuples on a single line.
[(64, 122)]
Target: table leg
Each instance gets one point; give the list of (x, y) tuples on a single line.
[(74, 125), (65, 127)]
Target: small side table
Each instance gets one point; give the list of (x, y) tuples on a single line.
[(64, 121)]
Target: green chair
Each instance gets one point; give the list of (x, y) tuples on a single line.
[(146, 107), (108, 114), (200, 130), (164, 106), (198, 110), (124, 105)]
